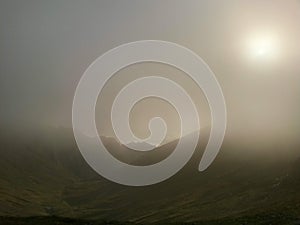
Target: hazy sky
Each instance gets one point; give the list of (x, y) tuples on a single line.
[(253, 47)]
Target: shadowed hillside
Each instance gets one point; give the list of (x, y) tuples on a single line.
[(45, 175)]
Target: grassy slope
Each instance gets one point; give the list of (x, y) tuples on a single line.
[(48, 177)]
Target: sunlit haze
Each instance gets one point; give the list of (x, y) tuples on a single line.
[(252, 47)]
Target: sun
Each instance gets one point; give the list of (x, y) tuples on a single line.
[(262, 46)]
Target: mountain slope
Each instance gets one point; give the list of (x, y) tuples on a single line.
[(46, 175)]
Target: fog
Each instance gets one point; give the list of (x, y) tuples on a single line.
[(46, 46)]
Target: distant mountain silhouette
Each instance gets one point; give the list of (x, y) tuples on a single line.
[(45, 174)]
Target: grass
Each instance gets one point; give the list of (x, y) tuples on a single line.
[(260, 219)]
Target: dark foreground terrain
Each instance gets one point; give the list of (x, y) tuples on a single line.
[(44, 180), (275, 219)]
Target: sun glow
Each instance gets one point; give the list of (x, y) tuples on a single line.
[(262, 46)]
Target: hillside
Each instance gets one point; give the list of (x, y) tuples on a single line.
[(45, 175)]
